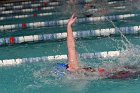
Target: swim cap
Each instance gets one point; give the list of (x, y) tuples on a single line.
[(61, 65)]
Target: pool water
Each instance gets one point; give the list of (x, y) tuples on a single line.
[(33, 77), (36, 77)]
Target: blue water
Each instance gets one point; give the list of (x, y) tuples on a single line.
[(35, 77), (39, 78)]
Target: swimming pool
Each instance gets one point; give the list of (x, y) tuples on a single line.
[(34, 77)]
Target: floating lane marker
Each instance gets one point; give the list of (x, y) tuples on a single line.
[(32, 15), (23, 3), (10, 62), (77, 34), (12, 4), (26, 10), (63, 22), (101, 18), (120, 7), (44, 4), (115, 2)]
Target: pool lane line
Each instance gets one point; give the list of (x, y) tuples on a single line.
[(40, 1), (22, 3), (31, 15), (27, 10), (105, 54), (113, 17), (51, 3), (11, 4), (38, 5), (39, 8), (64, 22), (2, 8), (77, 34)]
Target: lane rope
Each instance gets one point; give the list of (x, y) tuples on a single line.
[(22, 3), (64, 22), (44, 4), (77, 34), (32, 15), (27, 10), (113, 17), (12, 62)]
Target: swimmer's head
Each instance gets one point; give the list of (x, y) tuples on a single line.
[(62, 65)]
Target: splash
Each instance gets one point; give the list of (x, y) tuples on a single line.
[(130, 52), (130, 55)]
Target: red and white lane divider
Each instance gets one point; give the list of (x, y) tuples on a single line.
[(77, 34), (10, 62), (62, 22), (113, 17)]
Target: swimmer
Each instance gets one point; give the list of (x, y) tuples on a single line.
[(72, 56), (73, 65)]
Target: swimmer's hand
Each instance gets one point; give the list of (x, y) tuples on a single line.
[(72, 20)]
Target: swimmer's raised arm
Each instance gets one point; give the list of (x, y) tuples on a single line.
[(72, 57)]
